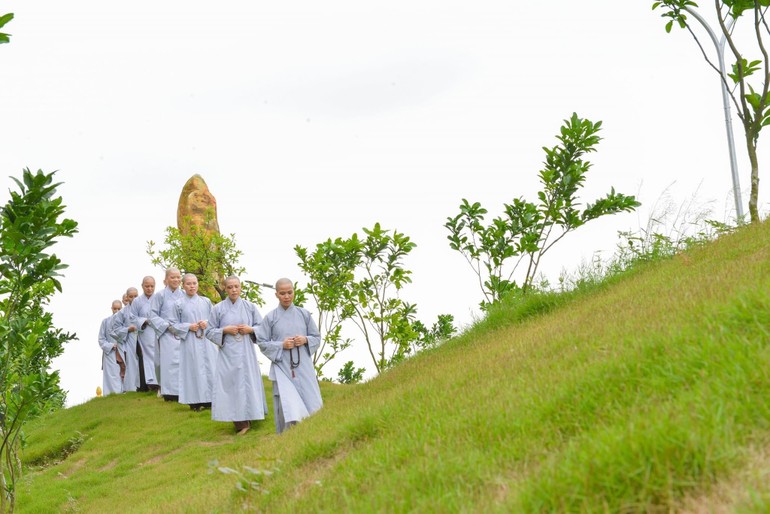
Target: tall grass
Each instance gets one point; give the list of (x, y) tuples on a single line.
[(642, 395)]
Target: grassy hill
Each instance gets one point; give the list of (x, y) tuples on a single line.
[(647, 394)]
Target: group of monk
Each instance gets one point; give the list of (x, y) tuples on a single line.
[(178, 344)]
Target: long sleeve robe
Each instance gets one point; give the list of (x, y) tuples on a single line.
[(197, 356), (296, 394), (162, 310), (141, 310), (120, 332), (111, 381), (238, 393)]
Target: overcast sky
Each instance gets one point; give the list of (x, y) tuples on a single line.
[(313, 119)]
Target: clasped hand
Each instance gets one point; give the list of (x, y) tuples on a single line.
[(238, 329), (201, 325), (294, 342)]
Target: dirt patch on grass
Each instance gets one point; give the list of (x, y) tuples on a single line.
[(160, 457), (76, 466), (210, 444), (109, 465), (728, 495)]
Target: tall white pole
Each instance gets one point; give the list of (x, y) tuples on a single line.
[(720, 46)]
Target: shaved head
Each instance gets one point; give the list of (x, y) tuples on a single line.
[(233, 288), (284, 291), (148, 285), (131, 293), (282, 282), (173, 278)]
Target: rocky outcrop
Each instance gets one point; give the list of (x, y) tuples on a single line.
[(197, 206)]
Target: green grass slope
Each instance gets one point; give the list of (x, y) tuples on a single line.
[(651, 394)]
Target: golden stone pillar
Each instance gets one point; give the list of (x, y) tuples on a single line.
[(198, 208)]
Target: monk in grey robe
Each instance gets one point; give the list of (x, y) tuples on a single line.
[(238, 394), (124, 331), (162, 308), (141, 310), (113, 367), (197, 356), (289, 337)]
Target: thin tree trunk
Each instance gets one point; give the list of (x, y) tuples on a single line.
[(751, 147), (3, 487)]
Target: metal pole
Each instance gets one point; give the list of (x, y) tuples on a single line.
[(260, 284), (720, 46)]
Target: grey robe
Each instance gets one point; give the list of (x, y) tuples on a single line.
[(162, 310), (238, 393), (141, 310), (296, 394), (111, 381), (197, 356), (120, 332)]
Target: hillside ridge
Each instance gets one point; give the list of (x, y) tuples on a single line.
[(644, 395)]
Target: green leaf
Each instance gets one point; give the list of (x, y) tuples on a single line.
[(5, 19)]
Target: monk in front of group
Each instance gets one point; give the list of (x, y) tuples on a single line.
[(289, 337), (238, 393)]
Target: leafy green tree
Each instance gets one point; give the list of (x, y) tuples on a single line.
[(386, 321), (748, 83), (29, 275), (330, 269), (356, 282), (527, 231), (212, 257)]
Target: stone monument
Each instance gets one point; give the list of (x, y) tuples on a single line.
[(198, 208)]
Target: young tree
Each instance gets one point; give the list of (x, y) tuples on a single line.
[(210, 256), (528, 230), (384, 319), (357, 281), (29, 225), (330, 270), (749, 80)]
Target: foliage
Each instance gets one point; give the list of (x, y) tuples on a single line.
[(350, 374), (749, 89), (5, 18), (29, 225), (439, 332), (211, 257), (331, 272), (250, 479), (528, 230), (670, 229), (358, 280)]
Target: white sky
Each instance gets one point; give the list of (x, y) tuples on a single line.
[(311, 120)]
